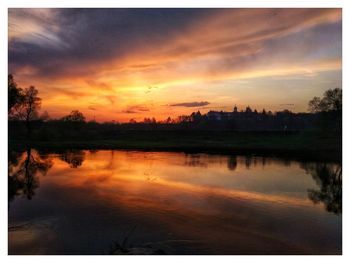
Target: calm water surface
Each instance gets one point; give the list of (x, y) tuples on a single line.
[(101, 202)]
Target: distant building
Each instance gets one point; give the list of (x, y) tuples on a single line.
[(219, 115), (214, 115)]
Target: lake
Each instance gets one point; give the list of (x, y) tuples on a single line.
[(133, 202)]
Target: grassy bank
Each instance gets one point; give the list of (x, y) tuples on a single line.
[(310, 145)]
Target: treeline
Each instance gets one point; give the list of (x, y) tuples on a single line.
[(26, 122)]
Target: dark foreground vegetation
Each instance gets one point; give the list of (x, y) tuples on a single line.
[(315, 135)]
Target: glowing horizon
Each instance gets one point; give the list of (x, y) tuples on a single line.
[(122, 64)]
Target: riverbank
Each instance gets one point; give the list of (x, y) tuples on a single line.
[(290, 144)]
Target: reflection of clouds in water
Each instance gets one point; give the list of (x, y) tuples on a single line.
[(39, 223), (74, 158), (110, 193), (149, 177)]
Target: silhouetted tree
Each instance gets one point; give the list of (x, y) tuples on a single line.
[(74, 116), (14, 93), (183, 118), (331, 101), (27, 108), (329, 111), (196, 117), (315, 105)]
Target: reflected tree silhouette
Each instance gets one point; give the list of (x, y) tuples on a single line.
[(194, 160), (287, 162), (232, 163), (74, 158), (23, 173), (248, 161), (329, 179)]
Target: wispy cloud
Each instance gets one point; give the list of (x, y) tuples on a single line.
[(36, 26), (92, 108), (190, 104), (162, 54), (136, 109)]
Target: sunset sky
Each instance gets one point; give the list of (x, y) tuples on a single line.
[(122, 64)]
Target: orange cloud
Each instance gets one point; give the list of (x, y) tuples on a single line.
[(223, 46)]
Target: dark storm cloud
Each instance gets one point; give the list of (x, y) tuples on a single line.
[(191, 104), (70, 38)]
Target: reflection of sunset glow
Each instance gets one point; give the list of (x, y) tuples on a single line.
[(145, 181), (223, 56), (197, 200)]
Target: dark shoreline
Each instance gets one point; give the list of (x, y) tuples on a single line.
[(303, 154)]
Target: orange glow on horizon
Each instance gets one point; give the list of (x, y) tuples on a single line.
[(231, 57)]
